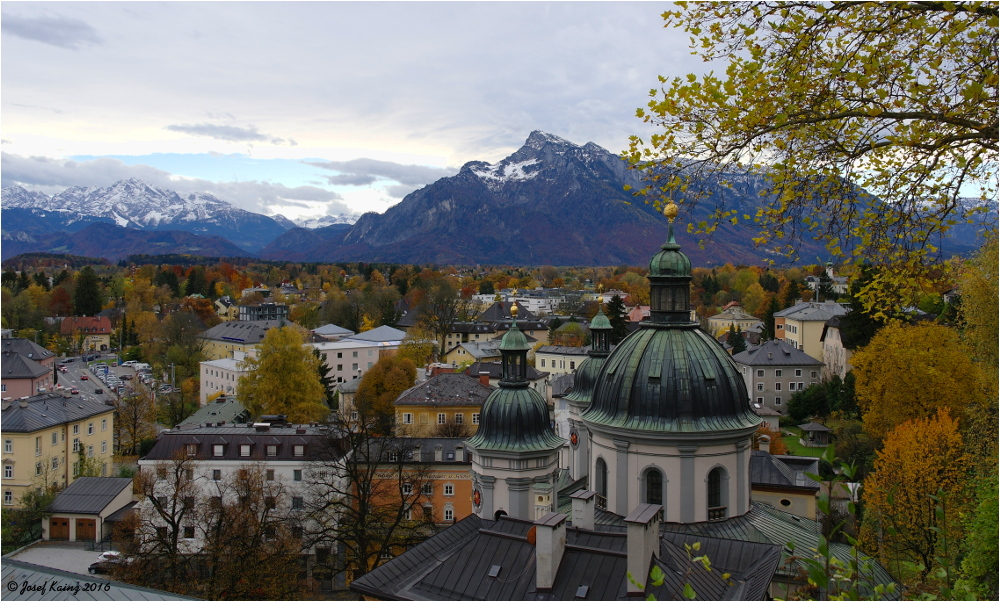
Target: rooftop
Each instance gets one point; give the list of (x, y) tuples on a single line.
[(447, 389), (48, 410), (89, 495), (775, 353)]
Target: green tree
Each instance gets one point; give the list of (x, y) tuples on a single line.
[(326, 380), (615, 310), (283, 378), (868, 131), (736, 340), (87, 296), (859, 326)]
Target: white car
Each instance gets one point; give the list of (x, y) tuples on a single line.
[(109, 555)]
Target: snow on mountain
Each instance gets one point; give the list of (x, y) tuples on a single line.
[(327, 220)]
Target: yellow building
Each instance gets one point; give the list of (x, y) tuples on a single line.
[(467, 353), (446, 405), (43, 436)]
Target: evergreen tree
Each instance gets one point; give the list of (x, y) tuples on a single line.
[(196, 283), (168, 278), (554, 326), (41, 280), (615, 310), (736, 340), (769, 283), (792, 294), (858, 327), (87, 297), (326, 380), (768, 318)]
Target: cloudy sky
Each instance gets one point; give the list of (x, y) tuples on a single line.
[(315, 108)]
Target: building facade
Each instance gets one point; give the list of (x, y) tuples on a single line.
[(776, 370)]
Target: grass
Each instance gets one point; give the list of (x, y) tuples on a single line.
[(797, 449)]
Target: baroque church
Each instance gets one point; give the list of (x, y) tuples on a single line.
[(658, 478)]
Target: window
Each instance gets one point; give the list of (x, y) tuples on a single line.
[(449, 489), (161, 532), (777, 401), (104, 447), (245, 450), (38, 446), (216, 475), (272, 450), (716, 510), (442, 419), (801, 385), (427, 489), (269, 474), (777, 386), (90, 428), (76, 429), (407, 488), (449, 513), (90, 451), (38, 468), (296, 475), (340, 355), (8, 446), (296, 503), (407, 418), (791, 386), (76, 446), (76, 469), (459, 418), (572, 365), (192, 449), (601, 472), (218, 450), (760, 373), (813, 374), (55, 438), (408, 515), (777, 372), (298, 450), (760, 386), (215, 501), (8, 471), (188, 503), (104, 424), (340, 367), (270, 503), (354, 367), (654, 486), (543, 363), (354, 354), (798, 373), (760, 400), (475, 418), (8, 498), (189, 474), (188, 532)]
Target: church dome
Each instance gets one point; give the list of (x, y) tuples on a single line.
[(590, 369), (669, 376)]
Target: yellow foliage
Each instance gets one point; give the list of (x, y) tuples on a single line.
[(909, 371), (283, 379)]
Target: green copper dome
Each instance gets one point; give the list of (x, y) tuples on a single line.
[(600, 321), (586, 374), (670, 261), (514, 340)]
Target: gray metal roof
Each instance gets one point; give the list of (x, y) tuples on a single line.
[(89, 495), (812, 311), (36, 577), (332, 330), (318, 442), (48, 410), (13, 365), (382, 334), (775, 353), (494, 369), (223, 409), (25, 347), (563, 350), (446, 389), (767, 470), (241, 332), (456, 564)]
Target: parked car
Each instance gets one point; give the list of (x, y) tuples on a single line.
[(74, 391), (98, 391), (109, 555), (126, 377)]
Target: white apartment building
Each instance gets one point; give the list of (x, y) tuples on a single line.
[(221, 376)]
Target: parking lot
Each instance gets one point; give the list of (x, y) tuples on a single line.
[(65, 556)]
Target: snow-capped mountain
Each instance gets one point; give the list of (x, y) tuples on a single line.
[(327, 220), (133, 203)]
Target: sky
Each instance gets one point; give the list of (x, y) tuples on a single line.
[(306, 109)]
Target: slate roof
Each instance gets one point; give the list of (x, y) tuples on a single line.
[(480, 349), (173, 442), (495, 370), (775, 353), (332, 330), (500, 311), (812, 311), (786, 472), (222, 409), (13, 365), (561, 350), (446, 389), (246, 333), (89, 495), (455, 565), (48, 410), (815, 427), (562, 384), (25, 347), (382, 334), (33, 575)]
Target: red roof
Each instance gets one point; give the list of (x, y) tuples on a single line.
[(87, 325)]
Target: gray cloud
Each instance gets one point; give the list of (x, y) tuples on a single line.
[(62, 32), (55, 175), (229, 133), (361, 172)]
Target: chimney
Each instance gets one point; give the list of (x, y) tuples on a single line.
[(764, 443), (550, 543), (583, 509), (484, 379), (643, 537)]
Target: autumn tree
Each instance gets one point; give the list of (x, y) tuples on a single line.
[(441, 307), (909, 371), (777, 445), (921, 467), (868, 131), (135, 420), (417, 346), (379, 388), (283, 378)]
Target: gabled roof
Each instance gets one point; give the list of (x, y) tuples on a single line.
[(13, 365), (812, 311), (90, 325), (48, 410), (775, 353), (382, 334), (787, 472), (447, 389), (332, 330), (242, 332), (89, 495), (814, 427), (25, 347), (316, 439), (500, 311), (480, 349), (223, 409)]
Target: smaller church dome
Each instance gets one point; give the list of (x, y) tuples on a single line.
[(670, 261)]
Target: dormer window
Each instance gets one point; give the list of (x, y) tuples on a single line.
[(245, 450), (192, 449), (218, 450), (272, 450), (298, 450)]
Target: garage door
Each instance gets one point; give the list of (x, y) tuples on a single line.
[(86, 529), (58, 528)]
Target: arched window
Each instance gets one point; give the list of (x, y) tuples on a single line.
[(601, 478), (716, 495), (654, 486)]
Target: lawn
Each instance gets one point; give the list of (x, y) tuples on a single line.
[(797, 449)]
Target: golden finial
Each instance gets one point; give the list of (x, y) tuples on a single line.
[(671, 210), (600, 296), (513, 309)]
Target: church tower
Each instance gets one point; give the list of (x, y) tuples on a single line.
[(583, 390), (670, 421), (515, 452)]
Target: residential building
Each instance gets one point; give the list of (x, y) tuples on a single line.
[(732, 316), (558, 360), (801, 325), (350, 358), (837, 284), (442, 405), (332, 332), (88, 333), (264, 311), (28, 349), (226, 309), (43, 436), (494, 371), (468, 332), (774, 371), (81, 511), (23, 376), (222, 376), (473, 351), (783, 482), (226, 339), (836, 357), (260, 288)]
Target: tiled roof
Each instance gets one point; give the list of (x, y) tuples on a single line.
[(775, 353), (25, 347), (13, 365), (448, 389), (95, 324), (89, 495), (48, 410)]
